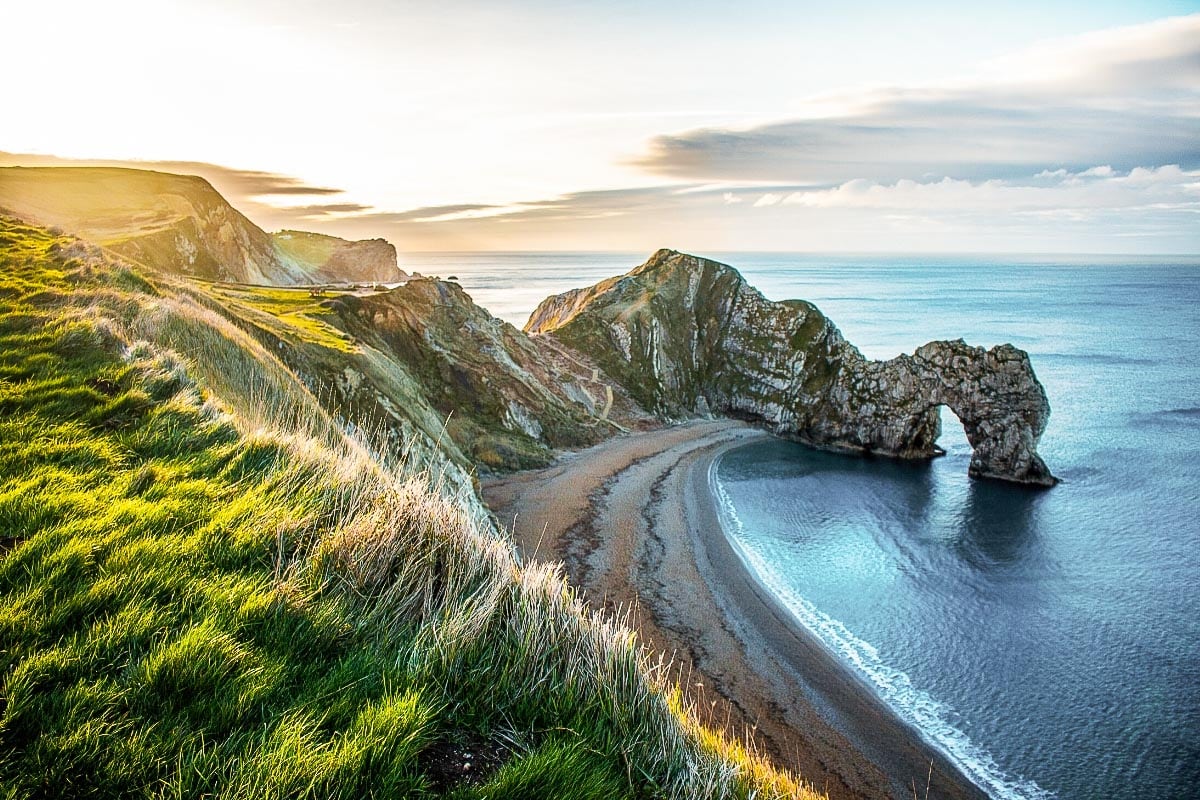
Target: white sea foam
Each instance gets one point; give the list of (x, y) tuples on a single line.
[(927, 715)]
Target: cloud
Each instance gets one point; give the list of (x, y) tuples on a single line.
[(1125, 98), (1096, 209), (240, 182), (1166, 188), (327, 209), (431, 213)]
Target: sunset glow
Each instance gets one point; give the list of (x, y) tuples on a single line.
[(629, 126)]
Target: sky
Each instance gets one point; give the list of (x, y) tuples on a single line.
[(704, 126)]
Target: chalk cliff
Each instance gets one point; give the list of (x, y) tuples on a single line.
[(688, 336)]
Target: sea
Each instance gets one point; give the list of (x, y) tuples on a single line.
[(1046, 641)]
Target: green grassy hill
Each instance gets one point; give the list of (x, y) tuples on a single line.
[(181, 225), (208, 587)]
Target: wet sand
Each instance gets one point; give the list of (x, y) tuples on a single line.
[(635, 523)]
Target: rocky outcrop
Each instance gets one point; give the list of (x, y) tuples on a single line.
[(506, 400), (328, 259), (689, 336)]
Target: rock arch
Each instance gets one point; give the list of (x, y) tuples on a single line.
[(891, 407), (688, 336), (999, 401)]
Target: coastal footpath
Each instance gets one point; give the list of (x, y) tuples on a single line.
[(635, 523)]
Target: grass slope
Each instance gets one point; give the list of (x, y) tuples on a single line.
[(200, 596), (297, 309)]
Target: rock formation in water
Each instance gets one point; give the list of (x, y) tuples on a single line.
[(688, 336)]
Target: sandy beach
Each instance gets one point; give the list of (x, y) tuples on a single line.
[(635, 523)]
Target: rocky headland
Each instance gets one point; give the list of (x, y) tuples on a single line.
[(333, 260), (689, 337)]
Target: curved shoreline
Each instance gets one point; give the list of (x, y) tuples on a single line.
[(637, 525), (842, 696)]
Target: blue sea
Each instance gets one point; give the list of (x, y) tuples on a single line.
[(1047, 641)]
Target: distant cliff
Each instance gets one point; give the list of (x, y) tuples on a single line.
[(180, 225), (689, 336), (332, 260), (436, 374)]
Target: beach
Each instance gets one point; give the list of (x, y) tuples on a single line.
[(635, 523)]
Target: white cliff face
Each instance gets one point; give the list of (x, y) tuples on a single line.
[(694, 338), (328, 259)]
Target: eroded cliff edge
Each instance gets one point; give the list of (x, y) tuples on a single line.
[(688, 336)]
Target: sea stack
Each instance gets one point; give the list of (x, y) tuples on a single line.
[(688, 336)]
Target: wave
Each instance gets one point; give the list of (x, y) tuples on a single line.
[(928, 716), (1165, 418), (1104, 359), (1187, 413)]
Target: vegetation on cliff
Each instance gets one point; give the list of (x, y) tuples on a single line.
[(210, 588), (334, 260), (180, 224)]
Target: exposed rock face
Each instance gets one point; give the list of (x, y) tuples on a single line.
[(891, 407), (329, 259), (172, 223), (505, 399), (689, 336)]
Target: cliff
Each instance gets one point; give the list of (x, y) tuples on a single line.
[(506, 400), (421, 366), (329, 259), (689, 336), (179, 224), (429, 372)]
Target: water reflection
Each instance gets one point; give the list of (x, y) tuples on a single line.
[(997, 525)]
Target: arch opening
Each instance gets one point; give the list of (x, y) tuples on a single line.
[(951, 432)]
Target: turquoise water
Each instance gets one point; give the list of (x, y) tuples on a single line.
[(1048, 641)]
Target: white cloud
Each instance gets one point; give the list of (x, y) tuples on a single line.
[(1165, 188), (1119, 99)]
